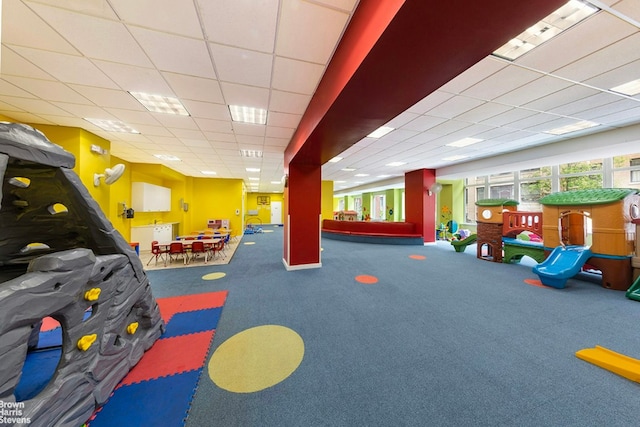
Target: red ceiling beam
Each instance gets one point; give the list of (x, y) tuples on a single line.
[(392, 55)]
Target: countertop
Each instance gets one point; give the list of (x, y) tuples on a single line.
[(154, 225)]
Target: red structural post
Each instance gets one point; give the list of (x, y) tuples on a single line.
[(420, 206)]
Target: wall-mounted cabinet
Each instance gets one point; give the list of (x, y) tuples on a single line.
[(147, 197)]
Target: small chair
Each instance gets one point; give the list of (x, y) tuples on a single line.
[(197, 247), (156, 252), (176, 249), (218, 247)]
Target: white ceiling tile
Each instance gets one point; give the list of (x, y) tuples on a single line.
[(535, 120), (135, 79), (296, 76), (250, 142), (478, 72), (242, 66), (561, 97), (483, 112), (177, 17), (98, 8), (603, 61), (278, 132), (220, 136), (286, 102), (175, 53), (423, 123), (207, 110), (108, 97), (630, 8), (174, 121), (248, 129), (187, 133), (575, 107), (151, 131), (502, 82), (533, 90), (448, 127), (49, 90), (84, 111), (249, 24), (8, 89), (196, 88), (235, 94), (429, 102), (66, 68), (36, 106), (509, 117), (592, 34), (618, 76), (308, 32), (133, 117), (276, 142), (454, 107), (208, 125), (22, 27), (283, 119), (609, 111), (87, 34), (15, 65)]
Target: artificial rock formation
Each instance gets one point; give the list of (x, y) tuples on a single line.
[(60, 257)]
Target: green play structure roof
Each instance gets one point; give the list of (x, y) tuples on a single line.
[(497, 202), (595, 196)]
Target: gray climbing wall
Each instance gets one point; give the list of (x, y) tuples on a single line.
[(60, 257)]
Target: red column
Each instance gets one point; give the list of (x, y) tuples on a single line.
[(303, 207), (420, 207)]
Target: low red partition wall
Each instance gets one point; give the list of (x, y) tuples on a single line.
[(372, 228)]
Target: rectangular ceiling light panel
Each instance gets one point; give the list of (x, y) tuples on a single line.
[(560, 20), (584, 124), (464, 142), (631, 88), (160, 103), (112, 125), (250, 153), (243, 114), (380, 132)]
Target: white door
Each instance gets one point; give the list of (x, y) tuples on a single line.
[(276, 212)]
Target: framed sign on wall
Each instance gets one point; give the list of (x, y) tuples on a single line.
[(264, 200)]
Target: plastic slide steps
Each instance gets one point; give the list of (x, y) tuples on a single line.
[(634, 291), (461, 245), (617, 363), (563, 263)]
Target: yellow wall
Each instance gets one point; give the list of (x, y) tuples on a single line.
[(214, 198), (327, 209), (264, 211)]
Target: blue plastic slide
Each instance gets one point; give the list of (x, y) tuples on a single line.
[(563, 263)]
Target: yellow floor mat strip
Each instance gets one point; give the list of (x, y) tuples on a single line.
[(617, 363)]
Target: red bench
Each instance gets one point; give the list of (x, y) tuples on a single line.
[(372, 231)]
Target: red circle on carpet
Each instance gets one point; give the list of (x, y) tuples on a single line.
[(417, 257), (534, 282), (366, 279)]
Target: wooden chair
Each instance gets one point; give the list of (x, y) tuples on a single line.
[(176, 249), (157, 251), (198, 248)]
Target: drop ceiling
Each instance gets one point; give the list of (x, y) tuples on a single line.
[(64, 61)]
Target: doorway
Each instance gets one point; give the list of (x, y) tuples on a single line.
[(276, 212)]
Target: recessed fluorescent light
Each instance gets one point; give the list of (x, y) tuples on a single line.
[(380, 132), (454, 158), (276, 182), (568, 15), (240, 113), (112, 125), (339, 182), (160, 103), (336, 159), (630, 88), (361, 174), (208, 172), (348, 169), (253, 178), (252, 169), (584, 124), (251, 153), (395, 164), (167, 157), (464, 142), (383, 176)]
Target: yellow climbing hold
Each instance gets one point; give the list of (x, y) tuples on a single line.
[(92, 294), (132, 328), (86, 341)]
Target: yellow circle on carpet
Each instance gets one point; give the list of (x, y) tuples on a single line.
[(214, 276), (256, 358), (249, 243)]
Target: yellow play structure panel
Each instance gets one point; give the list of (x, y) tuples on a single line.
[(617, 363)]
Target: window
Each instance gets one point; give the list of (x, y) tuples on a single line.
[(379, 210), (626, 171), (531, 192)]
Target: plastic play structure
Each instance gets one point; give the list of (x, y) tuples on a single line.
[(590, 227), (594, 229), (61, 259)]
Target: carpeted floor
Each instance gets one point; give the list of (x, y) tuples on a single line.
[(439, 339), (150, 263)]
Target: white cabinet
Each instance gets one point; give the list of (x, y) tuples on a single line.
[(144, 235), (147, 197)]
